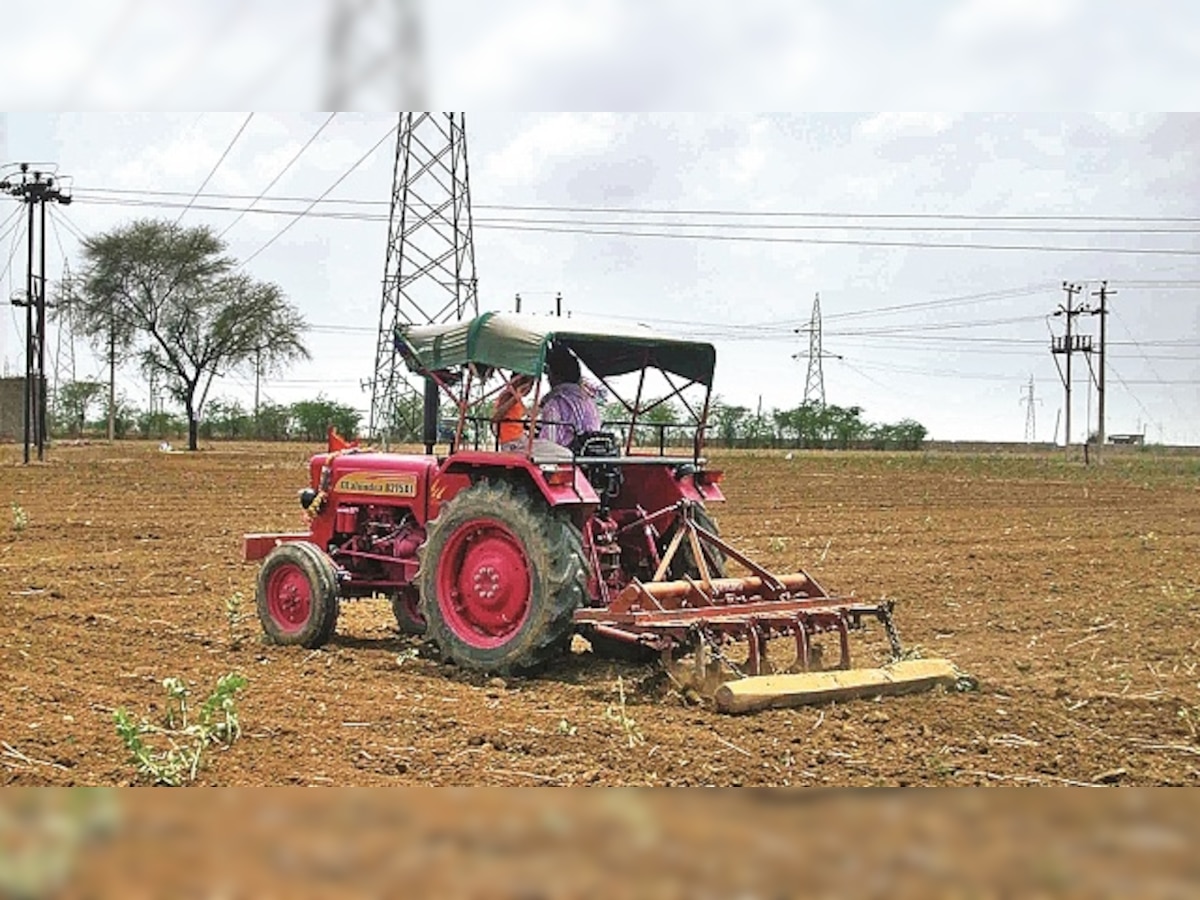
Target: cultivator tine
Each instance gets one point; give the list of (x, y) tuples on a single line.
[(710, 612), (802, 645), (844, 641)]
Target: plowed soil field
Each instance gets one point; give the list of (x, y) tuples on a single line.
[(1071, 594)]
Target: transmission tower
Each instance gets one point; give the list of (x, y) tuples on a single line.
[(1030, 401), (429, 269), (374, 54), (814, 384)]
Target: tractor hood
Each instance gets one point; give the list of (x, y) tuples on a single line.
[(519, 343)]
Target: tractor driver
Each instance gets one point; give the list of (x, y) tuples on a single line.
[(569, 408)]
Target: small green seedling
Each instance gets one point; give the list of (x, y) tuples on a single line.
[(170, 754)]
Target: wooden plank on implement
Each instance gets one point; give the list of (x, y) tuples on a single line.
[(773, 691)]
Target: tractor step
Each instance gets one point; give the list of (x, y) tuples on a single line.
[(805, 688)]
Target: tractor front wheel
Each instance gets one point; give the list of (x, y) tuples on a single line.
[(501, 575), (297, 595), (406, 605)]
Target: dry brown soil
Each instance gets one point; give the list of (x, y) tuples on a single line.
[(1070, 593)]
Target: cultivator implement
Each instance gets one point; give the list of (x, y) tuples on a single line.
[(709, 613)]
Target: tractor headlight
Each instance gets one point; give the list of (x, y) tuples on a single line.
[(307, 496)]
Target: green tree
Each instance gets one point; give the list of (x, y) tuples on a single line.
[(843, 425), (193, 315), (226, 419), (655, 421), (72, 402), (726, 422), (313, 418), (111, 335), (160, 425), (274, 422)]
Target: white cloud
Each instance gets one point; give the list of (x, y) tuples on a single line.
[(750, 159), (561, 135), (887, 125), (974, 20), (543, 34)]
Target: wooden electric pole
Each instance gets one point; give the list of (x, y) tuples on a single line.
[(1104, 293)]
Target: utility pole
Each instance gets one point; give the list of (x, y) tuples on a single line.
[(35, 188), (112, 372), (814, 384), (1104, 293), (1068, 346), (257, 378)]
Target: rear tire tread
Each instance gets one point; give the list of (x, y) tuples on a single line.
[(554, 551)]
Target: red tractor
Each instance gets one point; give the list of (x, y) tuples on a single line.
[(500, 555)]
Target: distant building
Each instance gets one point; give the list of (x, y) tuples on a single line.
[(1136, 440), (12, 409)]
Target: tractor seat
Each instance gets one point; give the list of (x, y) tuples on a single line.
[(596, 443), (605, 477)]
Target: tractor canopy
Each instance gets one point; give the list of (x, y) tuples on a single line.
[(519, 343)]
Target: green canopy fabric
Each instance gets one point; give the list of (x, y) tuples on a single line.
[(519, 342)]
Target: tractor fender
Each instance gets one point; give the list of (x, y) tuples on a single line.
[(558, 483), (659, 486)]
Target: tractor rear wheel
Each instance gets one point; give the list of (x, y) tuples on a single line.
[(501, 575), (297, 595)]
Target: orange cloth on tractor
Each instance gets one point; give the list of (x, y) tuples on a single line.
[(337, 442), (511, 426)]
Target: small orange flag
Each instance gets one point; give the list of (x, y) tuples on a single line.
[(337, 442)]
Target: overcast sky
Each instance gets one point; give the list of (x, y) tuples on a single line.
[(836, 188)]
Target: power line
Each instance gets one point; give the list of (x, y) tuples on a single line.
[(16, 222), (643, 230), (213, 171), (17, 233), (987, 376), (76, 232), (787, 326), (326, 192), (282, 172), (988, 296), (1134, 396), (1153, 371), (510, 207), (627, 223), (844, 242), (936, 326), (627, 229)]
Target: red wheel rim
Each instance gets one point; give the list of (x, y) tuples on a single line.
[(289, 598), (483, 583)]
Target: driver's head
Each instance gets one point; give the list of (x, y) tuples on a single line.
[(561, 365)]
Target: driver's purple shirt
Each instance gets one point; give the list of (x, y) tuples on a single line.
[(567, 411)]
